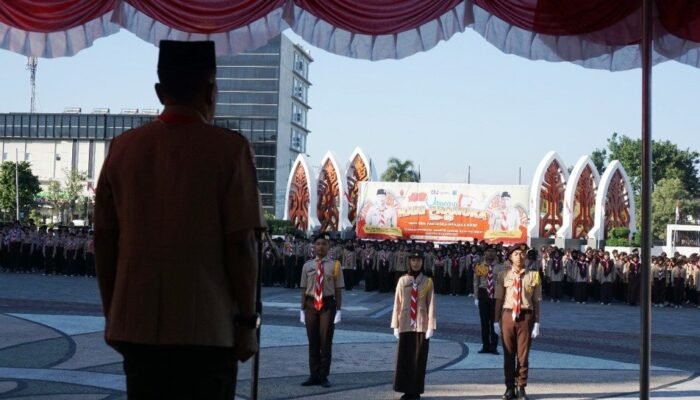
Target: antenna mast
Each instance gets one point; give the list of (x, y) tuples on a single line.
[(31, 67)]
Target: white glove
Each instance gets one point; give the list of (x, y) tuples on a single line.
[(536, 330), (476, 302), (302, 317), (497, 328), (429, 333), (338, 318), (396, 333)]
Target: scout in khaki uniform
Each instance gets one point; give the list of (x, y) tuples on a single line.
[(518, 297), (606, 278), (413, 321), (485, 279), (556, 271), (321, 297)]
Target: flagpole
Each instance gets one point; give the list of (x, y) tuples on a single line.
[(17, 184), (645, 304)]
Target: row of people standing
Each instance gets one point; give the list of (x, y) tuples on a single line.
[(61, 251)]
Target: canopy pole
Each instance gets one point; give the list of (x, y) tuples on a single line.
[(646, 234)]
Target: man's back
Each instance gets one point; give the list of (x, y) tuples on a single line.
[(172, 191)]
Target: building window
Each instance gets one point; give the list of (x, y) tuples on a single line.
[(27, 157), (300, 65), (299, 90), (4, 156), (298, 141), (299, 114)]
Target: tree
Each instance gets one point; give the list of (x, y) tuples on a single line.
[(56, 197), (598, 158), (28, 187), (398, 171), (668, 161), (667, 193), (75, 186)]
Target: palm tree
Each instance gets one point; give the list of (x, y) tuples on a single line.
[(398, 171)]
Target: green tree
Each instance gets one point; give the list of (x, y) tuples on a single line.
[(28, 188), (598, 157), (668, 161), (400, 171), (667, 193), (55, 197), (74, 188)]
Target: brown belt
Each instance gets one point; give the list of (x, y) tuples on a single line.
[(522, 310)]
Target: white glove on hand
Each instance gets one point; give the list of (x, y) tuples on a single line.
[(476, 302), (338, 318), (497, 328), (535, 330), (396, 333), (429, 333), (302, 317)]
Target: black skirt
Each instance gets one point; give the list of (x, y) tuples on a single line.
[(411, 360)]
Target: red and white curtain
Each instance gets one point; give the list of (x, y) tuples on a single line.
[(593, 33)]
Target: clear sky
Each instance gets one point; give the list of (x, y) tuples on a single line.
[(462, 103)]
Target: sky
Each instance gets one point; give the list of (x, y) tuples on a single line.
[(463, 103)]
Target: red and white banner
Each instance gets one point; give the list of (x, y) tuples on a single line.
[(441, 212)]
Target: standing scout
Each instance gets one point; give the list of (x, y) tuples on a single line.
[(413, 321), (321, 296), (518, 297), (485, 286)]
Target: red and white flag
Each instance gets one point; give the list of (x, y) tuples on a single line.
[(678, 211)]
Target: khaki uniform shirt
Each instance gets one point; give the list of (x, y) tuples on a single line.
[(401, 261), (332, 277), (556, 276), (610, 277), (425, 314), (481, 275), (161, 231), (697, 278), (531, 289), (349, 261)]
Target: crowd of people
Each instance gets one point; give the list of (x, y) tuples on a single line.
[(28, 248), (567, 274)]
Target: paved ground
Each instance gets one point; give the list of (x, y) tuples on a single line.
[(51, 348)]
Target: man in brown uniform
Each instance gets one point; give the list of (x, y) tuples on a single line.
[(176, 211), (485, 279), (518, 297), (321, 297)]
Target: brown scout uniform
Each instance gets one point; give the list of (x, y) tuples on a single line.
[(517, 334)]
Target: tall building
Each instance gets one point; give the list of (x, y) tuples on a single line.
[(262, 93), (270, 83)]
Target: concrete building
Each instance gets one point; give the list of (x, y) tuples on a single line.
[(262, 94)]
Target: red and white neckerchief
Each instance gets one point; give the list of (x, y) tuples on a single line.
[(489, 281), (517, 293), (318, 286), (414, 302), (381, 217), (504, 220)]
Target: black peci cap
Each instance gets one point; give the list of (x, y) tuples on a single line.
[(415, 254), (186, 55), (323, 235)]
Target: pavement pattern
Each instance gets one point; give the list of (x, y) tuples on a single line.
[(51, 347)]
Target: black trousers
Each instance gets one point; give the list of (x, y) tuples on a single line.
[(487, 312), (179, 372), (291, 279), (411, 361), (319, 331), (581, 291), (659, 291), (606, 292), (555, 289)]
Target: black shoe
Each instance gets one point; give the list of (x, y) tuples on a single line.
[(509, 394), (312, 381), (409, 396), (521, 393), (495, 351), (483, 350), (324, 383)]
